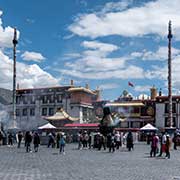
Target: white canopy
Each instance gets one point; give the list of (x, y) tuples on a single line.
[(47, 126), (148, 127)]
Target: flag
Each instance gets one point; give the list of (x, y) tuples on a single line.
[(130, 84)]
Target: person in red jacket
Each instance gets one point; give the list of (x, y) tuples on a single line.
[(154, 145)]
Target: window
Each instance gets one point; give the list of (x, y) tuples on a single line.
[(135, 110), (173, 108), (59, 98), (51, 98), (17, 99), (167, 122), (32, 99), (32, 112), (17, 112), (44, 111), (25, 100), (24, 112), (44, 99), (51, 111)]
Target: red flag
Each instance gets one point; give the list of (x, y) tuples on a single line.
[(130, 84)]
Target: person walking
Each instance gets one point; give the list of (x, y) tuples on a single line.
[(1, 138), (57, 140), (89, 140), (102, 142), (154, 145), (51, 140), (112, 143), (10, 139), (36, 141), (86, 137), (129, 141), (162, 144), (19, 138), (168, 145), (62, 143), (28, 140), (118, 139), (175, 140), (80, 139)]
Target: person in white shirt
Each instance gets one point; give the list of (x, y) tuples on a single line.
[(118, 139)]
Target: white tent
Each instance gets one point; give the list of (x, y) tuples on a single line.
[(148, 127), (47, 126)]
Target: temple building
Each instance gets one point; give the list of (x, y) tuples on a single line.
[(60, 118), (133, 114), (35, 103)]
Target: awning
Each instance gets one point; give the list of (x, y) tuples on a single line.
[(47, 126), (125, 104), (82, 125), (148, 127)]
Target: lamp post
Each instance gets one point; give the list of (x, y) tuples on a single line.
[(169, 76), (14, 77)]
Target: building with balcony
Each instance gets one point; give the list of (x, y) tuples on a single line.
[(162, 110), (133, 114), (33, 104)]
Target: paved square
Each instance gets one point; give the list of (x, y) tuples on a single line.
[(48, 164)]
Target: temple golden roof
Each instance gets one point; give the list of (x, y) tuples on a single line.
[(61, 115)]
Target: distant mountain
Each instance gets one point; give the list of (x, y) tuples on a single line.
[(5, 96)]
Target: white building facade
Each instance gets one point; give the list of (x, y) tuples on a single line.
[(161, 117), (33, 104)]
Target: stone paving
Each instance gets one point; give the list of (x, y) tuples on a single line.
[(48, 164)]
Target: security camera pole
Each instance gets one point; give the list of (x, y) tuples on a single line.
[(14, 77), (169, 76)]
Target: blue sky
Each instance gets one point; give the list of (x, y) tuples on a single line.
[(105, 43)]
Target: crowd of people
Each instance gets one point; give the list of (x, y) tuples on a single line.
[(112, 141), (161, 144)]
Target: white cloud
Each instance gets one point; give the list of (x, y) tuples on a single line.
[(99, 49), (143, 96), (71, 56), (145, 88), (116, 6), (160, 55), (161, 73), (94, 64), (136, 54), (125, 73), (32, 56), (108, 86), (6, 35), (30, 21), (28, 76), (94, 58), (151, 18)]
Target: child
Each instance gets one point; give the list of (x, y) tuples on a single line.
[(62, 143)]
